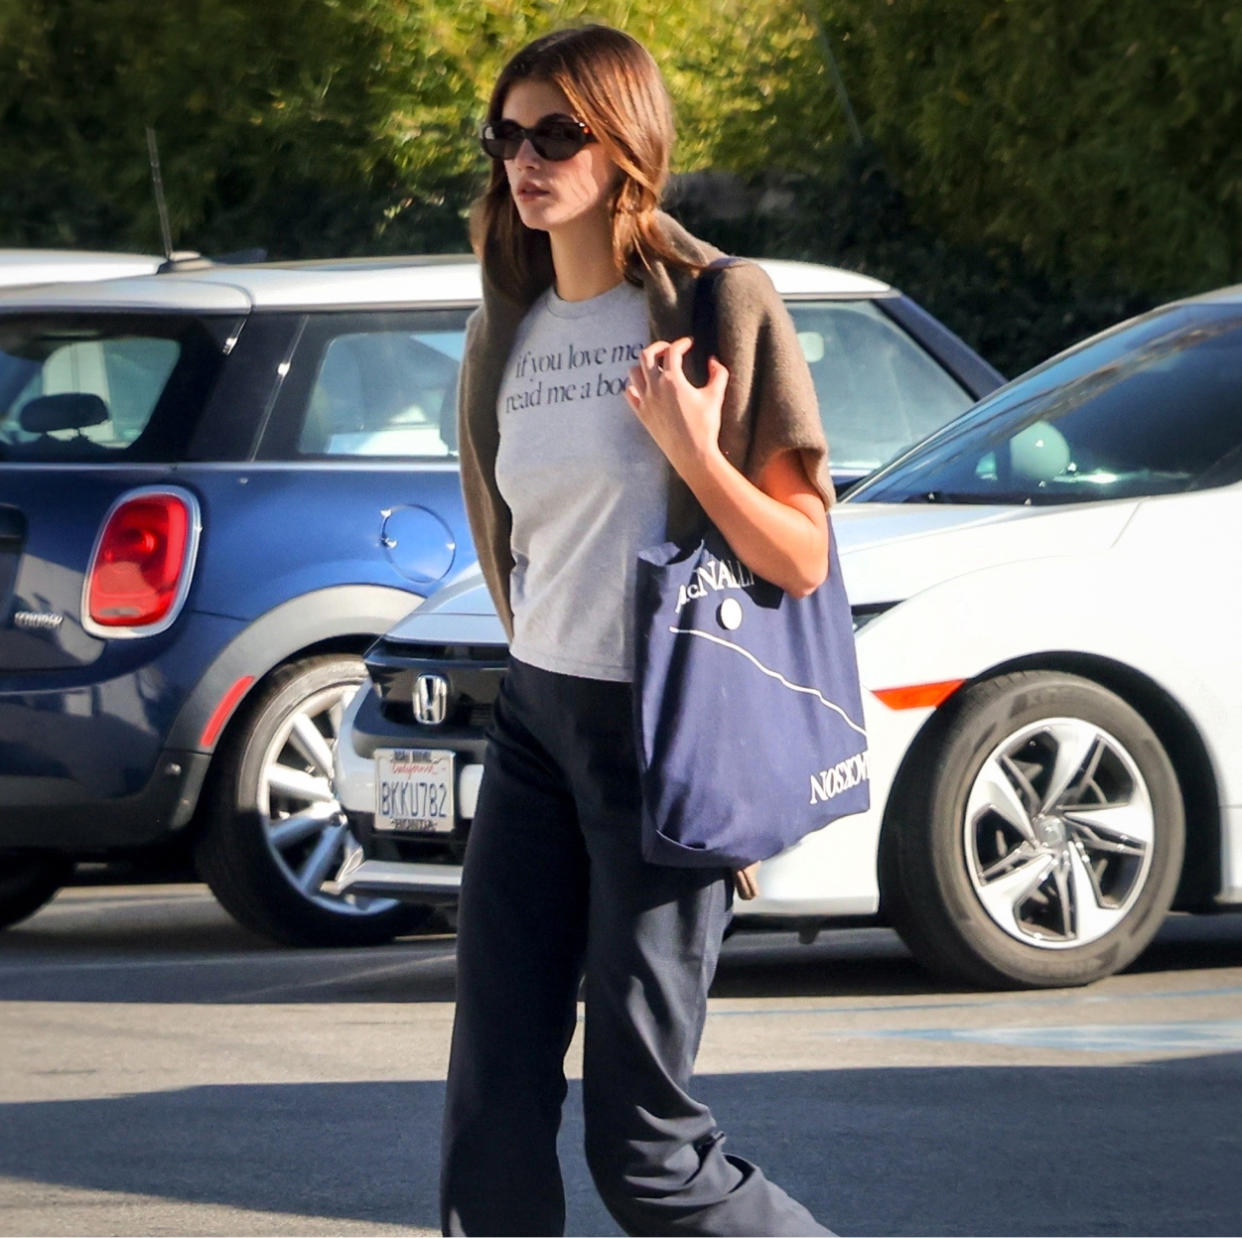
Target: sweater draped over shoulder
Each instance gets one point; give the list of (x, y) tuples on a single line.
[(770, 404)]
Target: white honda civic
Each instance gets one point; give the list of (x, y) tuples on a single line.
[(1044, 597)]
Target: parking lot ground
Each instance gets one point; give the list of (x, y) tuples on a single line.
[(164, 1072)]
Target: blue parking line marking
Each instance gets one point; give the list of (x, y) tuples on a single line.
[(1076, 998), (1213, 1036)]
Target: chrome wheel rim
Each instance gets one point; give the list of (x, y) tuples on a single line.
[(1059, 833), (303, 825)]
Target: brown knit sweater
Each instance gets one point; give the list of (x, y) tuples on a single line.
[(769, 405)]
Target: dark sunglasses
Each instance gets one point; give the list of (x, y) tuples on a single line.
[(554, 138)]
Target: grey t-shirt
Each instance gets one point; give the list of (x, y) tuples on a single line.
[(586, 483)]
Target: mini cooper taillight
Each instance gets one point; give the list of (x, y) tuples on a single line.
[(140, 571)]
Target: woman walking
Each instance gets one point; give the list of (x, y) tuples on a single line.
[(582, 442)]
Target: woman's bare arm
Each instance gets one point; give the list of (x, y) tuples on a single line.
[(777, 527)]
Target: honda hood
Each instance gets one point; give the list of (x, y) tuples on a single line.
[(891, 551), (461, 613)]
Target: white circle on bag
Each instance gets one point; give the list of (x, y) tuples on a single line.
[(730, 614)]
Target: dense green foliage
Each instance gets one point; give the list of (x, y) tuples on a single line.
[(277, 124), (326, 126), (1096, 136), (1030, 171)]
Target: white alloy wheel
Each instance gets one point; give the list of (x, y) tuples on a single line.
[(297, 803), (1058, 833)]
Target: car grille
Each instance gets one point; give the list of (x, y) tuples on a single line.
[(472, 673), (477, 717)]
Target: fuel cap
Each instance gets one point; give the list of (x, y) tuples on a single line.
[(418, 544)]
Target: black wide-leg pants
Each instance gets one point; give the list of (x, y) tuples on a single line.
[(555, 891)]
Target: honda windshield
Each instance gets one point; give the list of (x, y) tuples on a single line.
[(1153, 406)]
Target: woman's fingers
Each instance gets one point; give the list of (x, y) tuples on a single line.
[(660, 376), (644, 373), (672, 360), (651, 359), (659, 362)]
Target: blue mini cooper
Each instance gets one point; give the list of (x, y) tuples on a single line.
[(217, 487)]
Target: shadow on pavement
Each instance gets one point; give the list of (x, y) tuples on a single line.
[(1187, 942), (839, 963), (1151, 1148)]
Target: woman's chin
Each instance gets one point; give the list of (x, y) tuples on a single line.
[(537, 218)]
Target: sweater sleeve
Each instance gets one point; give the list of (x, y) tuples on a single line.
[(770, 403), (478, 437)]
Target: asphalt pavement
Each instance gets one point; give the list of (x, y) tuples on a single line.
[(164, 1072)]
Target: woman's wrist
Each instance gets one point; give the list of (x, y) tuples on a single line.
[(702, 466)]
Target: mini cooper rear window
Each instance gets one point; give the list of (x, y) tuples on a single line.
[(83, 388)]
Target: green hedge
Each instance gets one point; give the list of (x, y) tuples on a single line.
[(1097, 139)]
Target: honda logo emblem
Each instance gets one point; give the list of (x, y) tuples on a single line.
[(430, 699)]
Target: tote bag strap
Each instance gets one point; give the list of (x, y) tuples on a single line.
[(693, 524), (703, 323)]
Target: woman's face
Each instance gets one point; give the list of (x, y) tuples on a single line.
[(554, 195)]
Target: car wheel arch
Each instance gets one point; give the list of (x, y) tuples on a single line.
[(337, 620), (1200, 879), (355, 643)]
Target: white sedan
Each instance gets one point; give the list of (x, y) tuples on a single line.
[(1044, 597)]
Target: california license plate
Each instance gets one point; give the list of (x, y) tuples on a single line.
[(414, 790)]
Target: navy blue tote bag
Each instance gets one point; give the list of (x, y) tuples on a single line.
[(747, 703)]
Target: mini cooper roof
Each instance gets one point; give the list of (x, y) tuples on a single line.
[(443, 279), (44, 266)]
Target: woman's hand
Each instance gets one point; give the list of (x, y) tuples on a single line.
[(683, 420), (776, 525)]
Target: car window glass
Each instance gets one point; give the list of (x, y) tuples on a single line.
[(1152, 408), (878, 390), (72, 390), (383, 392)]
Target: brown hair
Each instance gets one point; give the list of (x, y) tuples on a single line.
[(615, 88)]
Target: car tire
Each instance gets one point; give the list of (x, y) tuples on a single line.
[(28, 881), (1035, 838), (274, 834)]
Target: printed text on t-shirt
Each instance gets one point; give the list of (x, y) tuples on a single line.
[(569, 374)]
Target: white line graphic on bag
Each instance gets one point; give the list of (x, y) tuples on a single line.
[(793, 687)]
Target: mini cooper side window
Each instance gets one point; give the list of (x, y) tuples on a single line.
[(383, 393), (878, 390), (380, 385)]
